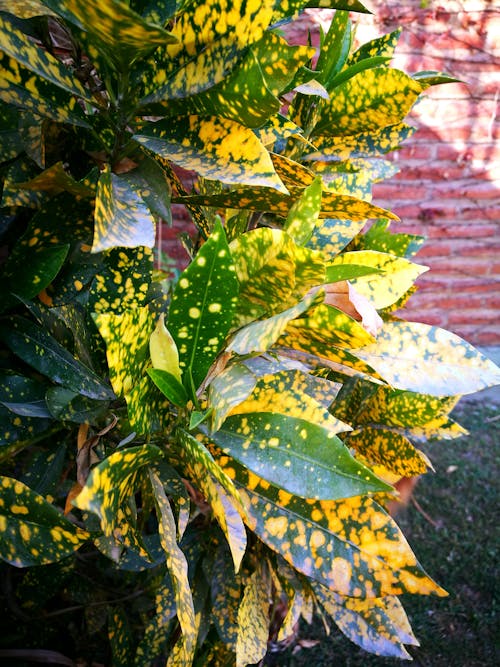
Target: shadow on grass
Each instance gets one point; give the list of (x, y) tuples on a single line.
[(459, 549)]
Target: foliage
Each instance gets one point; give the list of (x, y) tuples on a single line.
[(198, 461)]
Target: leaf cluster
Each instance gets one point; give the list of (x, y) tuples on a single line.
[(198, 459)]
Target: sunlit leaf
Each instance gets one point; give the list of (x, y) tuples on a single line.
[(380, 238), (303, 215), (426, 359), (382, 289), (202, 308), (112, 481), (227, 389), (291, 8), (369, 101), (32, 531), (297, 394), (178, 568), (332, 205), (380, 46), (296, 455), (121, 215), (217, 148)]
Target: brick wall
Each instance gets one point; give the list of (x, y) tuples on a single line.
[(448, 188)]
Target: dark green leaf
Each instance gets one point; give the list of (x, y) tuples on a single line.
[(169, 386), (41, 351)]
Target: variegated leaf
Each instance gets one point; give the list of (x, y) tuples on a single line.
[(378, 625), (115, 30), (202, 308), (229, 388), (217, 148), (254, 619), (380, 46), (369, 101), (388, 449), (303, 458), (381, 239), (32, 531), (333, 205), (333, 235), (303, 215), (112, 481), (27, 90), (292, 8), (225, 592), (429, 360), (396, 276), (362, 144), (119, 636), (178, 568), (294, 393), (122, 218), (351, 546)]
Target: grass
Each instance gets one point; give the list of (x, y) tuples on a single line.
[(455, 535)]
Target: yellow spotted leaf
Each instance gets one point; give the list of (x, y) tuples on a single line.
[(225, 593), (368, 101), (333, 235), (379, 625), (112, 481), (122, 218), (303, 216), (228, 389), (429, 360), (253, 619), (216, 148), (382, 289), (178, 568), (32, 530), (351, 546)]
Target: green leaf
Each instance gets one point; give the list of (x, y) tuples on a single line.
[(202, 308), (292, 8), (333, 235), (432, 78), (253, 619), (178, 567), (337, 272), (335, 47), (115, 29), (395, 278), (169, 386), (157, 630), (17, 390), (10, 138), (26, 9), (369, 101), (217, 148), (24, 89), (151, 183), (120, 637), (112, 481), (32, 531), (67, 405), (426, 359), (378, 625), (303, 215), (41, 351), (55, 180), (303, 458), (332, 205), (36, 270), (122, 219)]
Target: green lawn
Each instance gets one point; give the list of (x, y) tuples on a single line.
[(459, 549)]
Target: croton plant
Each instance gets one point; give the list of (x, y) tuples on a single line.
[(194, 460)]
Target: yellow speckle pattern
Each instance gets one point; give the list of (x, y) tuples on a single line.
[(254, 619), (32, 530)]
